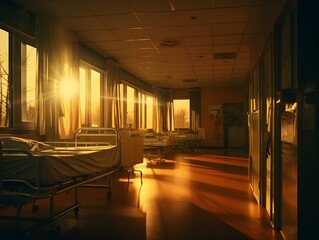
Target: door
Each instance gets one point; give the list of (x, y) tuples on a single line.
[(255, 154), (288, 128)]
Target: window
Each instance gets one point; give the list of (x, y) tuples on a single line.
[(95, 99), (145, 103), (136, 108), (130, 106), (149, 112), (181, 113), (90, 96), (18, 94), (142, 110), (28, 81), (4, 78)]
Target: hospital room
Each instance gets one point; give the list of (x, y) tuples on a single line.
[(162, 119)]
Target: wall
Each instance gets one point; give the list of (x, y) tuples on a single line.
[(218, 96), (181, 93)]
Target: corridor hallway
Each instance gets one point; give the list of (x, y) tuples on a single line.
[(203, 194)]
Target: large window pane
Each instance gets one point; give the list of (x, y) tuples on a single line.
[(90, 96), (141, 110), (95, 99), (28, 80), (149, 112), (130, 103), (122, 110), (181, 113), (4, 78), (83, 100)]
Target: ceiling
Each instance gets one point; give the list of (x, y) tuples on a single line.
[(171, 43)]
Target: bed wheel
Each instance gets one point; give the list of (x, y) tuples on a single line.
[(76, 212), (55, 230)]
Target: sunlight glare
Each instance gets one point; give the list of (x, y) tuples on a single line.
[(68, 88)]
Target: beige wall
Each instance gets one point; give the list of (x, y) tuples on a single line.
[(181, 93), (218, 96)]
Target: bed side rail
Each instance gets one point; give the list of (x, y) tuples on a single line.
[(22, 152), (94, 136)]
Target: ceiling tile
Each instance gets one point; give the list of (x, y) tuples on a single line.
[(208, 63), (176, 57), (202, 56), (223, 67), (249, 38), (131, 52), (119, 21), (102, 7), (226, 48), (82, 23), (227, 39), (199, 50), (231, 3), (164, 32), (196, 30), (130, 34), (228, 15), (141, 6), (126, 45), (98, 35), (195, 17), (191, 4), (229, 28), (158, 19), (252, 27), (198, 41), (71, 8), (172, 50)]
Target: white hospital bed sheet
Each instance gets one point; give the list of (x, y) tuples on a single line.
[(61, 164)]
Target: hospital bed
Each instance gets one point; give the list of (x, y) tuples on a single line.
[(32, 170), (157, 146)]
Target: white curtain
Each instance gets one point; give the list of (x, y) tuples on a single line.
[(163, 111), (195, 107), (57, 88), (112, 107)]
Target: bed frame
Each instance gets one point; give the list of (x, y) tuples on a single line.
[(18, 193), (157, 146)]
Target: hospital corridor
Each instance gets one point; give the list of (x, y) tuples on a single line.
[(159, 120)]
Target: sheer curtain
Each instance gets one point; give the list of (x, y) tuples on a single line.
[(112, 107), (195, 110), (58, 69), (163, 111)]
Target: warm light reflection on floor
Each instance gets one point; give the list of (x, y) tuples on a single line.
[(216, 184)]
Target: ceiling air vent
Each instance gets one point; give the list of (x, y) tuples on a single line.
[(225, 55), (169, 43)]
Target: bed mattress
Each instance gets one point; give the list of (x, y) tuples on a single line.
[(57, 165)]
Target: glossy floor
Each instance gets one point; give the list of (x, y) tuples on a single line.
[(198, 195)]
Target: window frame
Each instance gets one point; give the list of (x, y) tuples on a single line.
[(89, 68), (15, 81), (174, 108), (140, 122)]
